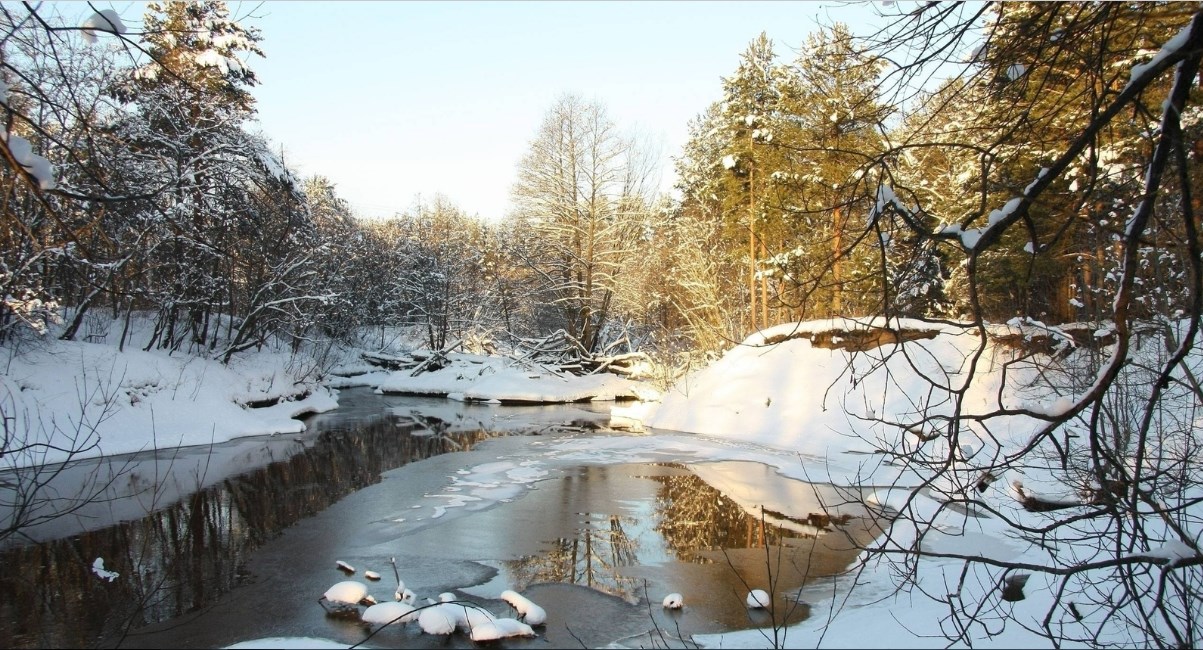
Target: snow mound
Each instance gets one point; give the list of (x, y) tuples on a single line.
[(478, 378), (844, 389)]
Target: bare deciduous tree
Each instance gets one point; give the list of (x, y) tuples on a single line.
[(582, 189)]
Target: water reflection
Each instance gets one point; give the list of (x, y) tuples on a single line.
[(639, 538), (635, 531), (593, 557), (180, 557)]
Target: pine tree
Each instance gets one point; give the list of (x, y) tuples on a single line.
[(749, 121), (190, 103), (1045, 72), (833, 253)]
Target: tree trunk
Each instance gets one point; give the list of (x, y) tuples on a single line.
[(764, 290), (836, 275), (752, 246)]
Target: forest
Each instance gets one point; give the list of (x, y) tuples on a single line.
[(1012, 187), (846, 181)]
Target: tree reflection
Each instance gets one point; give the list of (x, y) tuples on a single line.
[(181, 557), (693, 516), (695, 523), (594, 557)]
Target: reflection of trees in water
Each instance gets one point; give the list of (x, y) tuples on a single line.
[(595, 554), (694, 516), (593, 557), (183, 556), (690, 515)]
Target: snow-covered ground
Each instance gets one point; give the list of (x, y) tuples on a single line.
[(493, 379), (790, 398), (74, 399), (838, 409)]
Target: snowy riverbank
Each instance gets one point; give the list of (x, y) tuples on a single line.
[(73, 399), (871, 415), (839, 402)]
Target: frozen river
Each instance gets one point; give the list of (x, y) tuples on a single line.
[(236, 542)]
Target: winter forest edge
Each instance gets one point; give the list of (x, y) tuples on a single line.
[(969, 239)]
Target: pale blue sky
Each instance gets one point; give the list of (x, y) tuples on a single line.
[(394, 99)]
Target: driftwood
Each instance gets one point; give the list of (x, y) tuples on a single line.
[(388, 361), (563, 352), (856, 338), (622, 364), (436, 360)]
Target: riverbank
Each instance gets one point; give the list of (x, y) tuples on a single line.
[(71, 400)]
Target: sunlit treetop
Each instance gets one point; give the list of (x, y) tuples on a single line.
[(197, 43)]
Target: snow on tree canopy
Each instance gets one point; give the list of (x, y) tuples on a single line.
[(105, 20), (37, 166), (214, 59), (1171, 46)]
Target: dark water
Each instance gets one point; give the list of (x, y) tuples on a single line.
[(247, 555)]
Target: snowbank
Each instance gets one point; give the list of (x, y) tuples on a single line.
[(793, 386), (854, 406), (480, 378), (70, 399)]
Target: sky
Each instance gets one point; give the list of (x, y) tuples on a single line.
[(395, 100)]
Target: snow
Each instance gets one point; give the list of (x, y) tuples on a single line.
[(528, 611), (1170, 48), (886, 197), (214, 59), (1027, 191), (37, 166), (500, 629), (467, 616), (793, 395), (99, 570), (388, 612), (470, 377), (90, 397), (438, 620), (970, 237), (105, 20), (1173, 552), (347, 592), (757, 599), (776, 409)]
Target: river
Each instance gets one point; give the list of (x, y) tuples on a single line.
[(237, 541)]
